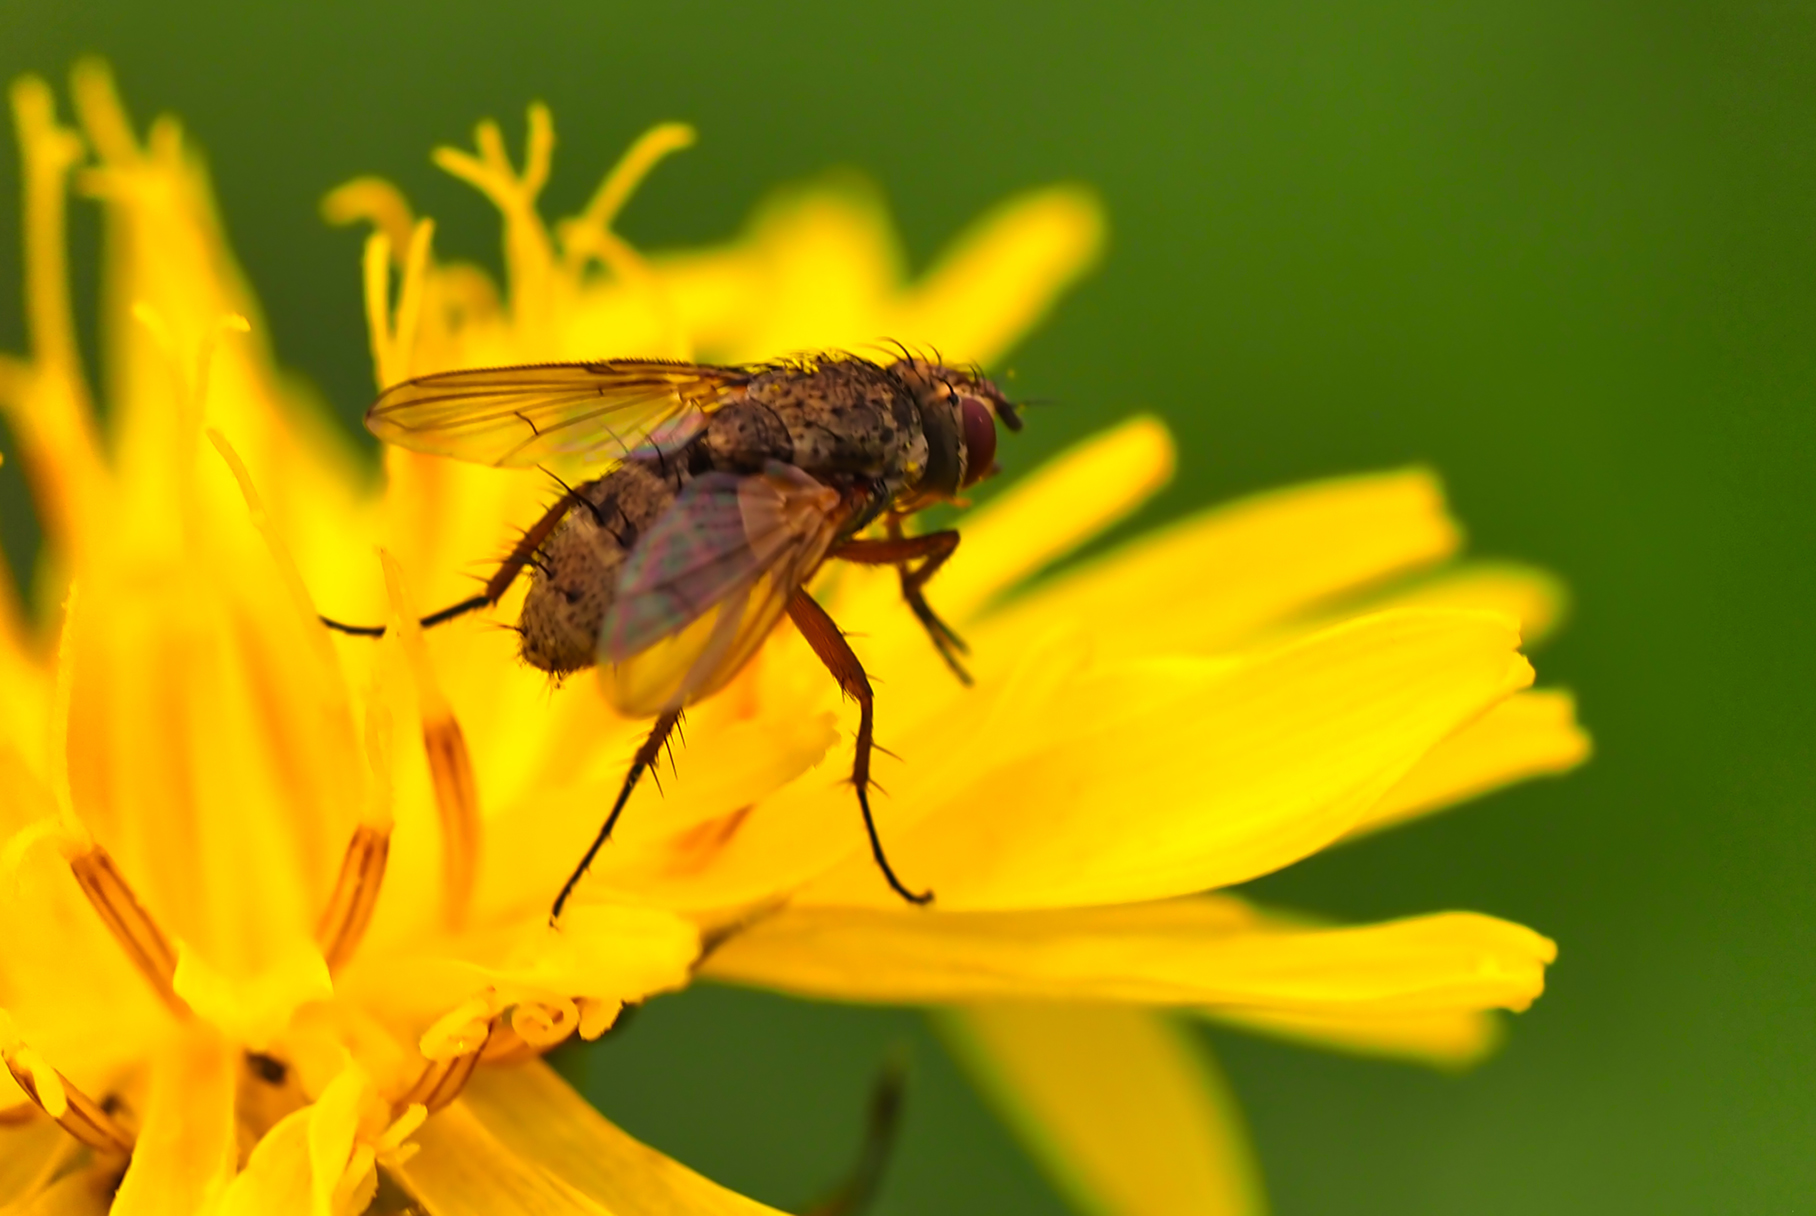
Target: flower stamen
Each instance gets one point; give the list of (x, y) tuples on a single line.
[(580, 235), (62, 694), (131, 926), (590, 235), (189, 382), (376, 201), (362, 874), (74, 1111), (506, 1046), (393, 335), (47, 401), (95, 871), (332, 690), (442, 1080), (349, 911), (50, 151), (598, 1015), (103, 115), (196, 402), (529, 256), (450, 764), (391, 1147), (451, 771), (544, 1023)]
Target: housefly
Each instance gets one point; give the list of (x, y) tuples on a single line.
[(725, 489)]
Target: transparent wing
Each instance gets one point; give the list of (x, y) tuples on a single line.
[(705, 585), (524, 415)]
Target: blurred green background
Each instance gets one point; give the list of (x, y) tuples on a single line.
[(1564, 252)]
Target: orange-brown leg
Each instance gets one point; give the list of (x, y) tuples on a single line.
[(931, 550), (834, 651), (496, 586), (645, 757)]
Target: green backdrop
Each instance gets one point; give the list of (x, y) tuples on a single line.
[(1563, 251)]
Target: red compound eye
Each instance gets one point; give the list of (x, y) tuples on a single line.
[(980, 439)]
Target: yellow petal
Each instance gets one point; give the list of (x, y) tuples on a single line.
[(1123, 1108), (253, 1009), (1534, 598), (998, 279), (334, 1125), (24, 718), (724, 764), (820, 266), (276, 1179), (528, 252), (295, 1168), (186, 1146), (1066, 502), (1528, 735), (1204, 952), (75, 994), (822, 256), (197, 747), (1211, 581), (1186, 775), (87, 1192), (30, 1152), (600, 951), (47, 403), (1444, 1040), (464, 1169), (536, 1115), (167, 255)]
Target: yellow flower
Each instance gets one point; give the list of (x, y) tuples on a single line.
[(202, 805), (276, 901)]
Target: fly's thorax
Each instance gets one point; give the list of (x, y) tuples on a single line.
[(572, 579), (743, 436), (842, 418)]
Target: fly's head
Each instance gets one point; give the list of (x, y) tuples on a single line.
[(959, 409)]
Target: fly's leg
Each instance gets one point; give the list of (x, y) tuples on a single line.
[(836, 653), (931, 550), (646, 756), (520, 555)]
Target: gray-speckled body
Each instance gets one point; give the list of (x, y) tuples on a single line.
[(572, 581), (845, 419), (850, 423)]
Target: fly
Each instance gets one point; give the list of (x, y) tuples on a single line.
[(726, 489)]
